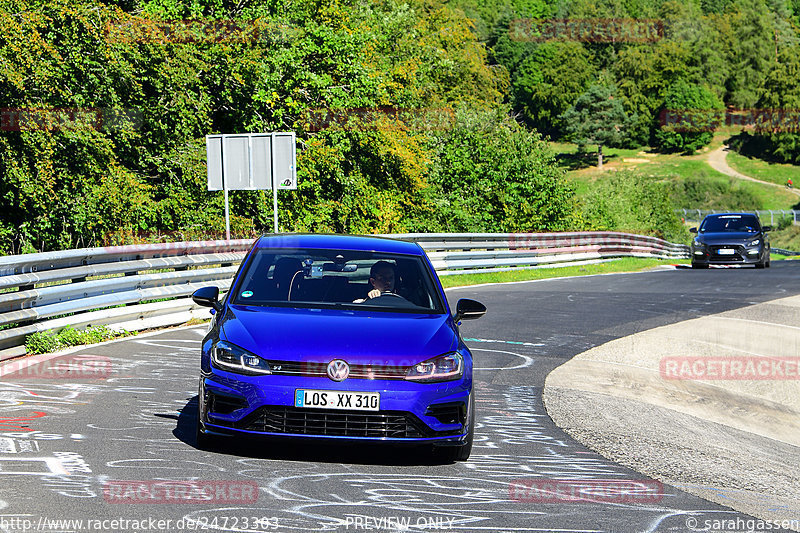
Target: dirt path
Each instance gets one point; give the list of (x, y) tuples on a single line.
[(717, 161)]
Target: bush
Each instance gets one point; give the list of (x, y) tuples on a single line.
[(704, 192), (489, 174), (50, 341), (43, 342), (627, 201)]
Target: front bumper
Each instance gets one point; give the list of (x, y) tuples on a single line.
[(742, 255), (233, 404)]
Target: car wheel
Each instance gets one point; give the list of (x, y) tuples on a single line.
[(761, 264), (699, 265)]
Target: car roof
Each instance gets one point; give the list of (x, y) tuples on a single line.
[(716, 215), (338, 242)]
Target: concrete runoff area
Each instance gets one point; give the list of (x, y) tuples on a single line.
[(644, 401)]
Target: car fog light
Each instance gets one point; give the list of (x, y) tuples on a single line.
[(698, 252), (752, 252)]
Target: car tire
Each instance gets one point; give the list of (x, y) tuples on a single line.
[(699, 265), (761, 264), (202, 440)]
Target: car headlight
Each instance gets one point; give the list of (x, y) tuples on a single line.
[(698, 242), (754, 243), (228, 356), (442, 368)]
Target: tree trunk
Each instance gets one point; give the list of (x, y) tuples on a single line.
[(599, 156)]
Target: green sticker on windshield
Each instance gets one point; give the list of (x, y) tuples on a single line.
[(247, 294)]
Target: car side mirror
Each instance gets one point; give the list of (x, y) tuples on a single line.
[(766, 228), (207, 297), (692, 230), (467, 309)]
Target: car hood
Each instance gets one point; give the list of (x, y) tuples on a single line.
[(320, 335), (728, 236)]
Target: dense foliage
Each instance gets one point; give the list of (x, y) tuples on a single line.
[(636, 203), (690, 130), (743, 52), (460, 89), (449, 156)]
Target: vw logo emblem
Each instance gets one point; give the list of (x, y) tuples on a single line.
[(338, 370)]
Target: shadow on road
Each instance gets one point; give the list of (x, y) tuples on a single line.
[(311, 450)]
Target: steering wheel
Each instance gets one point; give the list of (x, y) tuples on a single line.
[(388, 298)]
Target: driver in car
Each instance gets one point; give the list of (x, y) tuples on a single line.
[(381, 277)]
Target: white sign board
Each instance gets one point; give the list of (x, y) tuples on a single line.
[(249, 159), (251, 162)]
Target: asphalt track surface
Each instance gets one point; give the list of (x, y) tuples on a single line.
[(63, 441)]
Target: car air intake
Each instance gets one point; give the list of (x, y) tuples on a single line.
[(224, 405), (336, 423), (448, 413)]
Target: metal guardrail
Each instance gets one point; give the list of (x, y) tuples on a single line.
[(144, 286), (783, 252), (699, 214)]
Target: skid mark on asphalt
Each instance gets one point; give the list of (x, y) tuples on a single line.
[(526, 361), (505, 342)]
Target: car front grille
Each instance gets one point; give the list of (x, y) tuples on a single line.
[(335, 423), (714, 254), (315, 369)]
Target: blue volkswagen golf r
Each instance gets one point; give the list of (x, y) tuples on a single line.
[(337, 337)]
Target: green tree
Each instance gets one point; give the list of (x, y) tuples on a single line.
[(781, 140), (490, 174), (753, 54), (598, 117), (644, 72), (699, 111), (549, 80)]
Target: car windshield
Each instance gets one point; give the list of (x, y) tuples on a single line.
[(738, 223), (338, 278)]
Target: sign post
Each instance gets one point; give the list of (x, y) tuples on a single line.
[(251, 161)]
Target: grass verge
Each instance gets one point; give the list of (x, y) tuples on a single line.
[(625, 264), (777, 173), (693, 182), (787, 238)]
